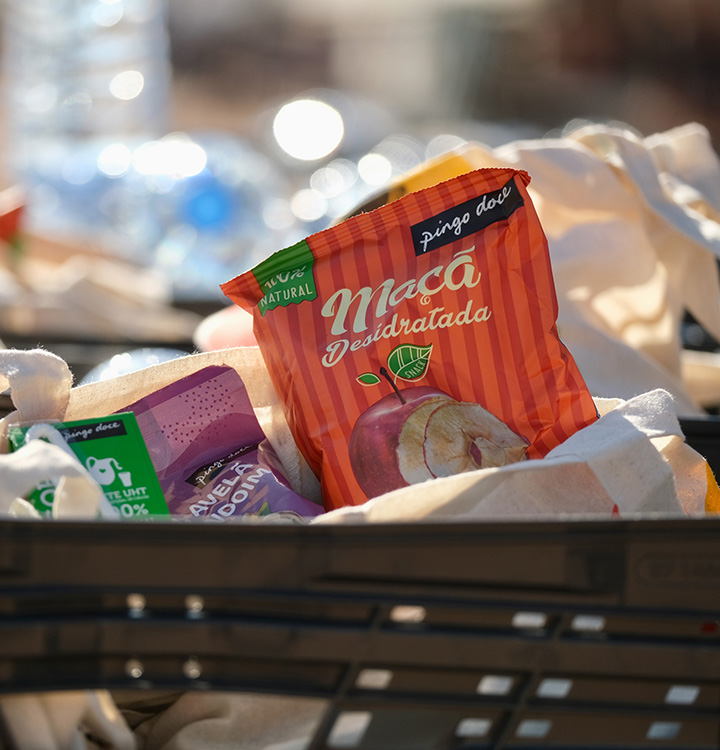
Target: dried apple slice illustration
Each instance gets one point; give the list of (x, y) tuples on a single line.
[(410, 453), (463, 436), (386, 443), (419, 433)]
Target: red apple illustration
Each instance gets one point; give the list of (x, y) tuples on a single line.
[(419, 433), (386, 443)]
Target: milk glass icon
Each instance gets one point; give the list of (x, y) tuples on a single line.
[(104, 471)]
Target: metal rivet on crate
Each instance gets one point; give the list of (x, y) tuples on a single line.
[(191, 668), (136, 604), (134, 668), (195, 605), (408, 613)]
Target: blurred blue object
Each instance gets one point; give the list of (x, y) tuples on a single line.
[(86, 97), (209, 206), (202, 208), (130, 361)]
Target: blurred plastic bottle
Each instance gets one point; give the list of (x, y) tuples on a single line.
[(80, 76), (200, 207)]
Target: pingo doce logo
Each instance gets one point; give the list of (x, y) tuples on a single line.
[(467, 218)]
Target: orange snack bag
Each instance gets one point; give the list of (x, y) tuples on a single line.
[(418, 340)]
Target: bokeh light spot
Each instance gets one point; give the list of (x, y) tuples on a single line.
[(114, 160), (375, 169), (308, 205), (127, 85), (107, 14), (175, 156), (308, 129), (77, 171), (277, 214), (41, 97)]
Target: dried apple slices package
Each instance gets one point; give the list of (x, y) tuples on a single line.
[(418, 340)]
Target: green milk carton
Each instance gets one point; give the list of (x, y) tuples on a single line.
[(113, 451)]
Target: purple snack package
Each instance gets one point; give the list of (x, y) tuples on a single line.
[(210, 453)]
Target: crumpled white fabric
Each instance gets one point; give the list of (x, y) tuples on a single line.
[(633, 229), (70, 720), (40, 384), (221, 720), (77, 494), (632, 460), (632, 225)]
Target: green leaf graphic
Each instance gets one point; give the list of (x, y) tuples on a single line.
[(368, 378), (409, 362)]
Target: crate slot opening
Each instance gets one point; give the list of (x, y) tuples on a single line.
[(554, 687), (495, 684), (588, 623), (663, 730), (374, 679), (533, 728), (473, 727), (406, 613), (349, 729)]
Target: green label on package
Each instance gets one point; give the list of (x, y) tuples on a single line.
[(286, 278), (113, 451)]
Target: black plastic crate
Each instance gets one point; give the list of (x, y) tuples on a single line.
[(564, 634)]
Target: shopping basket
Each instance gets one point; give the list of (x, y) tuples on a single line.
[(545, 634)]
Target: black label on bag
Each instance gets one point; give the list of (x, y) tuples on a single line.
[(204, 475), (78, 432), (465, 219)]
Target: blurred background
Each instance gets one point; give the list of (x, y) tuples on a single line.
[(529, 63), (184, 141)]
